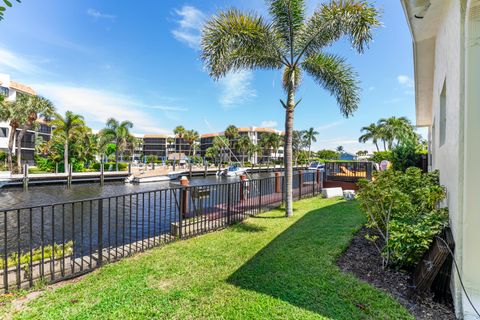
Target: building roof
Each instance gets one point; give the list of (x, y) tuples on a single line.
[(209, 135), (424, 18), (156, 136), (22, 88)]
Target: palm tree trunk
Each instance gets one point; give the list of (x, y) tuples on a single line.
[(288, 157), (65, 156), (384, 146), (376, 145), (309, 148), (20, 136), (11, 139)]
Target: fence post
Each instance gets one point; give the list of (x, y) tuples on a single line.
[(278, 182), (184, 196), (190, 171), (25, 176), (242, 187), (205, 163), (102, 177), (69, 178), (100, 232), (314, 183), (259, 195), (130, 168), (300, 183), (228, 204)]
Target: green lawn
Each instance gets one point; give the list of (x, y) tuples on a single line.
[(268, 267)]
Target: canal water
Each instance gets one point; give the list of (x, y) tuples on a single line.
[(150, 211), (15, 197)]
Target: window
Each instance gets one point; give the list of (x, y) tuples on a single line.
[(443, 115), (4, 91), (3, 132)]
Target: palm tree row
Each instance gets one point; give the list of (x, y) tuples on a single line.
[(233, 40), (389, 131)]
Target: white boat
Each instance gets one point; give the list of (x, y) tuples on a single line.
[(315, 165), (232, 171), (5, 177)]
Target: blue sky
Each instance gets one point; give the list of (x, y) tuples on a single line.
[(140, 61)]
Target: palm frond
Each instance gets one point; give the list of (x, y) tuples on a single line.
[(233, 40), (336, 76), (288, 18), (351, 18)]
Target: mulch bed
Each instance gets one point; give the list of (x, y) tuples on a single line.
[(363, 260)]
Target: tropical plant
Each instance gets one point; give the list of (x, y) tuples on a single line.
[(31, 107), (231, 133), (310, 136), (298, 143), (372, 132), (275, 142), (233, 40), (243, 144), (7, 3), (328, 154), (66, 128), (402, 213), (339, 149), (14, 115), (118, 133), (191, 136), (395, 129)]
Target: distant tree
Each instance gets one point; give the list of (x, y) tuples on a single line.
[(310, 136), (372, 132), (243, 144), (119, 133), (179, 131), (31, 107), (339, 149), (191, 136), (231, 133), (328, 154), (66, 128), (393, 130)]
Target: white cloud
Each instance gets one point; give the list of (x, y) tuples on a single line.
[(236, 88), (405, 81), (269, 124), (17, 63), (190, 21), (99, 105), (371, 88), (329, 125), (98, 15)]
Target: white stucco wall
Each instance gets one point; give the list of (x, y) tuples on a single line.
[(448, 157)]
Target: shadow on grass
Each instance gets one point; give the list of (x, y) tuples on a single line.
[(299, 266)]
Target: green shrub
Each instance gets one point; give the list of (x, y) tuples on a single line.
[(37, 254), (402, 213), (405, 155), (379, 156), (3, 156), (110, 166)]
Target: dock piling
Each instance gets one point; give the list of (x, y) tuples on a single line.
[(69, 177), (102, 177), (25, 177)]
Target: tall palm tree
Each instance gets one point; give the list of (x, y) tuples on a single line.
[(231, 133), (66, 128), (179, 131), (394, 128), (234, 40), (32, 107), (372, 132), (310, 136), (340, 149), (118, 132), (190, 137), (243, 144), (276, 143), (14, 115)]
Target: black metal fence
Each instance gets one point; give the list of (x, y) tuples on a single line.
[(348, 171), (63, 240)]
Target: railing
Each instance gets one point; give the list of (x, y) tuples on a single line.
[(63, 240), (348, 171)]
